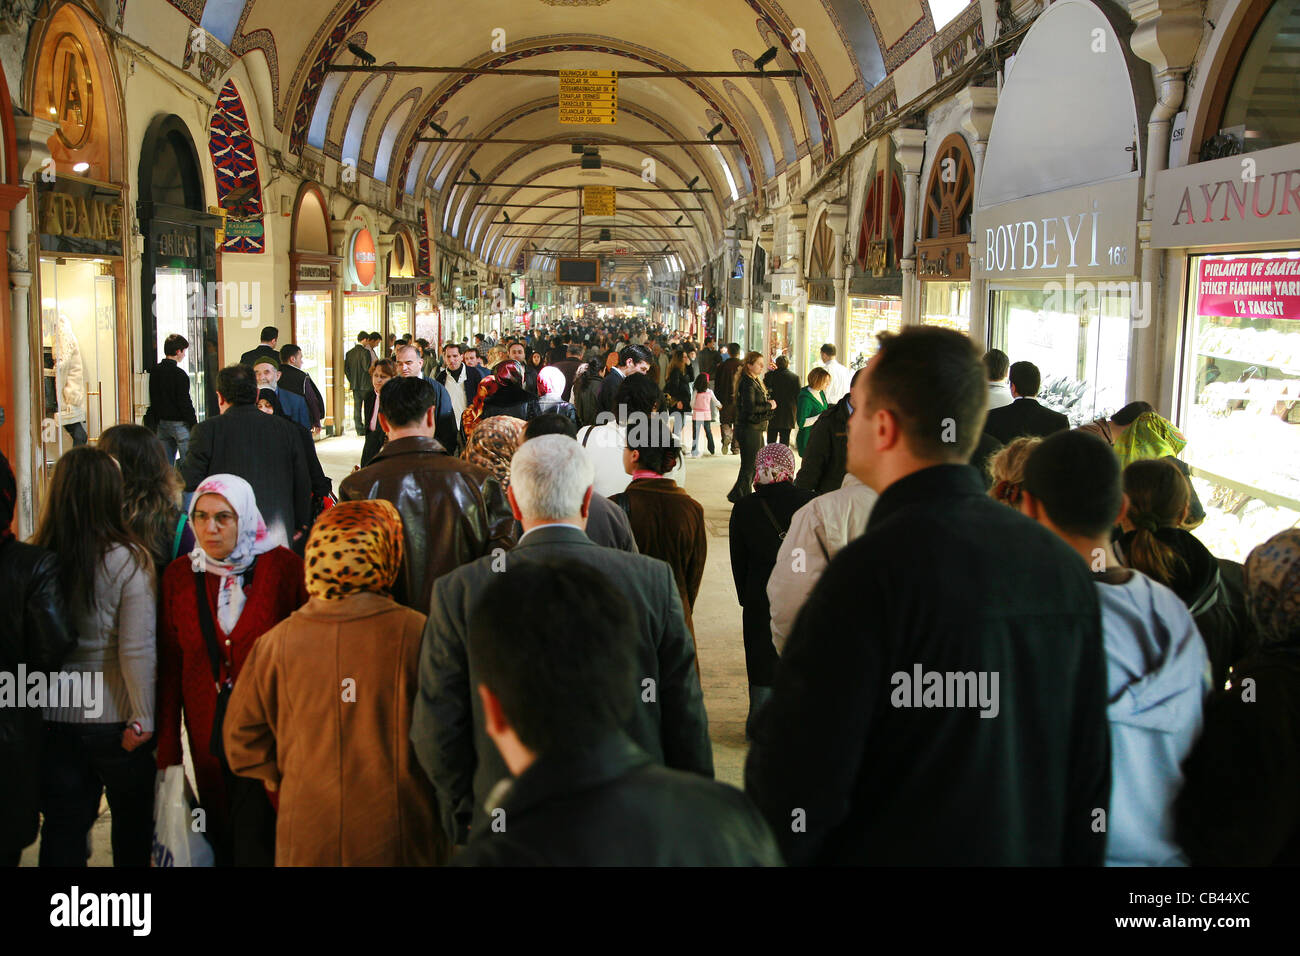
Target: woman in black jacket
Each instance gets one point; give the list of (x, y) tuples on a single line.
[(677, 391), (34, 635), (380, 372), (586, 388), (758, 523), (753, 410), (1155, 543)]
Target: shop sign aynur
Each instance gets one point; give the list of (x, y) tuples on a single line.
[(1238, 199)]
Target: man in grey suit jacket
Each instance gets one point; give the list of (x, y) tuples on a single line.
[(550, 490)]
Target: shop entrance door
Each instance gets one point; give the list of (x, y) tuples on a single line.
[(177, 292), (78, 353)]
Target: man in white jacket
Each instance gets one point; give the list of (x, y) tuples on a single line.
[(817, 532), (841, 378)]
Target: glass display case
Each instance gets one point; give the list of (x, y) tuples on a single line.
[(867, 319), (820, 323), (1078, 339), (946, 304), (1240, 407)]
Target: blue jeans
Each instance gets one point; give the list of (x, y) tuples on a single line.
[(707, 429), (175, 437), (80, 762)]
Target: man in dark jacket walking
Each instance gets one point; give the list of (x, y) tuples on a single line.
[(410, 364), (1024, 416), (632, 360), (262, 449), (551, 482), (356, 369), (938, 703), (709, 358), (171, 409), (584, 794), (724, 389), (783, 387), (294, 379), (452, 511), (267, 348)]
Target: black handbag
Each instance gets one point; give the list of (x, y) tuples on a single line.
[(215, 746)]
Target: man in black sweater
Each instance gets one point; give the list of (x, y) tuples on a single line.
[(171, 409), (942, 698), (583, 793), (267, 349), (1024, 416)]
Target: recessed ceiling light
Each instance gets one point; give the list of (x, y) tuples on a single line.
[(80, 167)]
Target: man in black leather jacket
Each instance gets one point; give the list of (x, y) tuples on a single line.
[(452, 511), (34, 633)]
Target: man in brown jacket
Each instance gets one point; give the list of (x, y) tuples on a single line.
[(725, 389), (452, 511)]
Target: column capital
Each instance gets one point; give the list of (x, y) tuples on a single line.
[(33, 134), (976, 105), (1167, 34), (910, 149)]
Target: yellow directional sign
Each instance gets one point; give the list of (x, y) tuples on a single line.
[(598, 200), (589, 96)]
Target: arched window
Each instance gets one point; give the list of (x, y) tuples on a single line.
[(1256, 108), (873, 225), (950, 196)]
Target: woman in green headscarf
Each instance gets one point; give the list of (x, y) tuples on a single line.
[(1151, 436)]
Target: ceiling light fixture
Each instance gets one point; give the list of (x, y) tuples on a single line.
[(476, 176), (80, 167), (714, 132), (679, 220), (768, 56), (437, 129), (360, 53), (691, 184)]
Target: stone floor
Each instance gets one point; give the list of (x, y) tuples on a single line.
[(717, 623)]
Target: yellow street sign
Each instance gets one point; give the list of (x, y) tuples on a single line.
[(589, 96), (598, 200)]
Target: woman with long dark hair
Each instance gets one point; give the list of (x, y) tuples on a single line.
[(586, 386), (1156, 543), (677, 390), (107, 578), (380, 372), (151, 492), (753, 409)]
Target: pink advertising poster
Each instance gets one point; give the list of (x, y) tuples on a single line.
[(1249, 288)]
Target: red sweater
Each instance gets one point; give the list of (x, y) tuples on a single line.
[(184, 672)]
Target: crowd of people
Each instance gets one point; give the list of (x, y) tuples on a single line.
[(972, 634)]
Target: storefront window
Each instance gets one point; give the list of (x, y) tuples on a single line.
[(314, 333), (867, 319), (78, 352), (1241, 397), (756, 342), (399, 319), (173, 313), (738, 328), (426, 320), (1079, 341), (778, 335), (946, 304), (820, 324)]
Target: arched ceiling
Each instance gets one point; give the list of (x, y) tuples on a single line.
[(375, 119)]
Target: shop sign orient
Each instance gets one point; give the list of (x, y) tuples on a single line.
[(1251, 198)]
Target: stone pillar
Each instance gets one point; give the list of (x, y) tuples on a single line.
[(978, 104), (910, 150), (32, 136)]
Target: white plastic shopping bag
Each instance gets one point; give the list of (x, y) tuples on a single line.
[(177, 827)]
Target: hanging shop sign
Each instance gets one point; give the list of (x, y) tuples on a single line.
[(401, 288), (80, 217), (361, 258), (235, 229), (943, 251), (315, 272), (589, 96), (1089, 231), (1251, 288), (1237, 199), (598, 200)]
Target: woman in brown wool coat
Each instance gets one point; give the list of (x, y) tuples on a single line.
[(322, 711), (667, 523)]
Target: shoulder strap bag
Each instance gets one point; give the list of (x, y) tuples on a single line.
[(215, 745), (776, 525), (180, 530)]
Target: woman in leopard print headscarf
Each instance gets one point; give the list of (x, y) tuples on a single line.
[(354, 546), (323, 710)]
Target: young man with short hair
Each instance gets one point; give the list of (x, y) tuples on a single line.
[(839, 386), (171, 408), (997, 364), (632, 360), (294, 379), (267, 348), (938, 703), (356, 369), (1157, 665), (411, 365)]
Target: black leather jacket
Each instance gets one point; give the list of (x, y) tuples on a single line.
[(34, 631), (752, 408), (452, 511)]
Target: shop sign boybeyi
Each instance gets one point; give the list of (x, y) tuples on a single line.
[(1088, 231), (1250, 198)]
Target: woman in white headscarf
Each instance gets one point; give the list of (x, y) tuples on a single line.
[(216, 602), (550, 386)]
